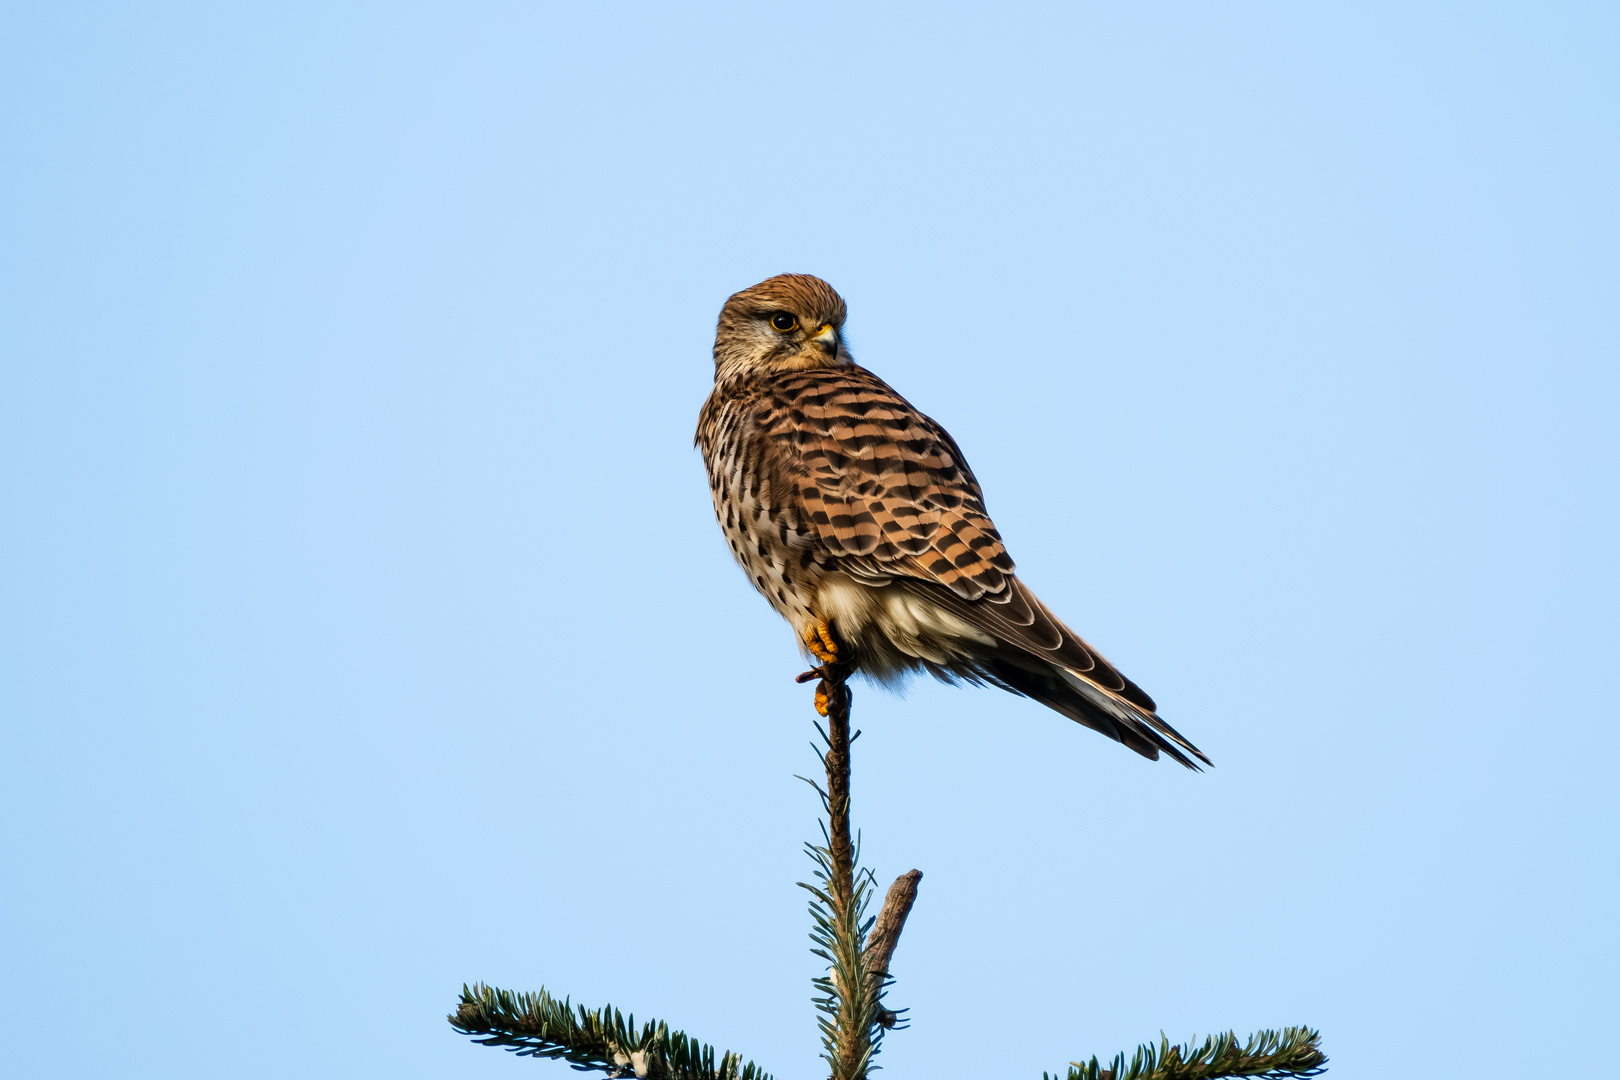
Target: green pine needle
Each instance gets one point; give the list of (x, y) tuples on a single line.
[(1271, 1055), (538, 1025), (839, 935)]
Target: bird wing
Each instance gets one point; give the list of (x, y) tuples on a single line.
[(882, 484), (886, 488)]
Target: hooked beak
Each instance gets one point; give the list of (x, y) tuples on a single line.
[(826, 339)]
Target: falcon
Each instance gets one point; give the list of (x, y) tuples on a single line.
[(857, 517)]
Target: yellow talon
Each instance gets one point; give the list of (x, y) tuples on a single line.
[(821, 699), (819, 640)]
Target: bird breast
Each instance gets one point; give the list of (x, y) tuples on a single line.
[(770, 539)]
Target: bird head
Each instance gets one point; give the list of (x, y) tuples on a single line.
[(786, 322)]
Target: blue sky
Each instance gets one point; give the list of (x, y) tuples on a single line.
[(367, 631)]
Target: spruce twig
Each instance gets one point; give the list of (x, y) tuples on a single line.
[(1294, 1051), (605, 1040), (846, 996), (850, 995)]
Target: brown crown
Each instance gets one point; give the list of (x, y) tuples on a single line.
[(811, 299)]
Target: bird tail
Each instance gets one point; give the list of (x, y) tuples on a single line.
[(1103, 710), (1036, 655)]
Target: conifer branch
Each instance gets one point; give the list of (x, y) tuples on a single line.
[(1271, 1055), (845, 996), (538, 1025), (849, 997)]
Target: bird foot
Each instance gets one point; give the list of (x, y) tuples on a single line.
[(821, 691), (819, 640)]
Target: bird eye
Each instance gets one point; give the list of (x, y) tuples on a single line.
[(784, 322)]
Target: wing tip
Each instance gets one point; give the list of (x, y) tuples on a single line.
[(1146, 724)]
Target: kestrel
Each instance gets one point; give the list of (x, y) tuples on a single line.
[(859, 520)]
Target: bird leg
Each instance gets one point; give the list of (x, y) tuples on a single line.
[(818, 638)]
